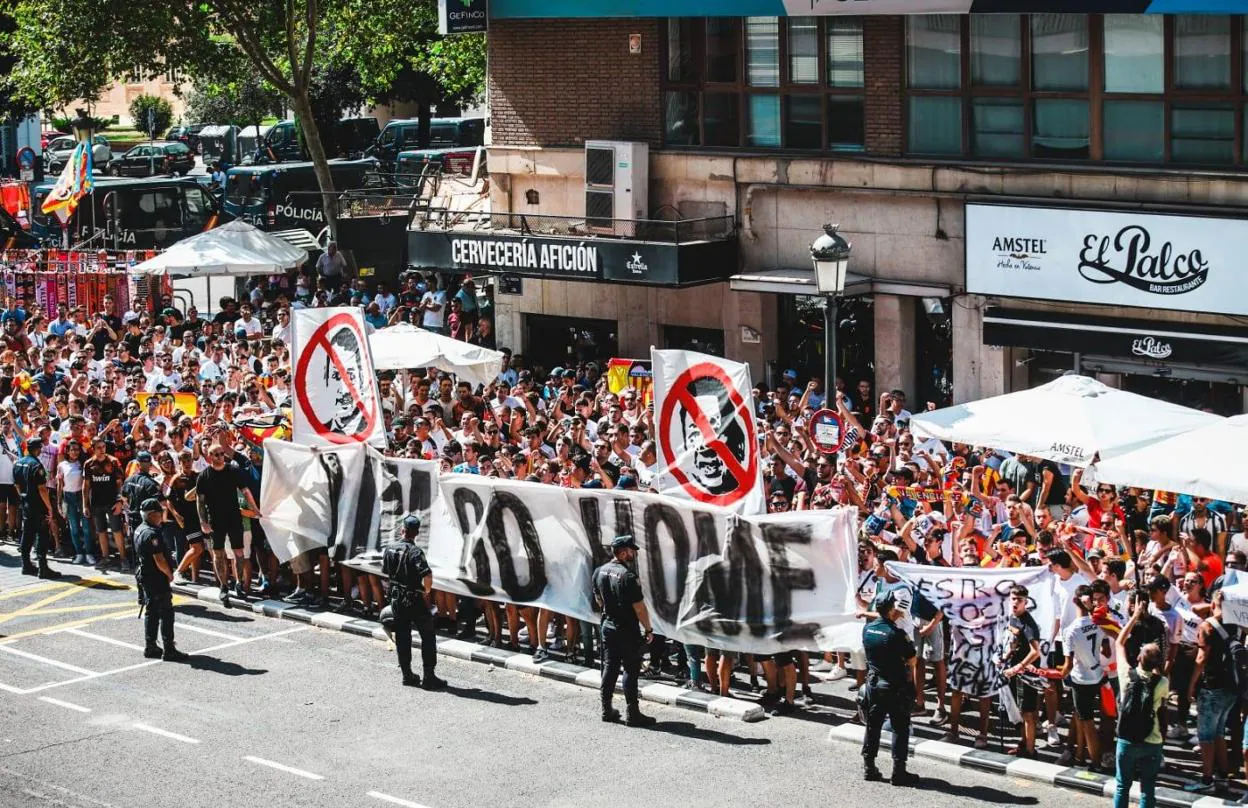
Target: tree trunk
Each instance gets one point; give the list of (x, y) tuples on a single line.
[(320, 163)]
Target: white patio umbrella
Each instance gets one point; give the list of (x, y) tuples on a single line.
[(1205, 462), (235, 248), (406, 346), (1070, 420)]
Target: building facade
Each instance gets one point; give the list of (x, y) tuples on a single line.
[(1025, 193)]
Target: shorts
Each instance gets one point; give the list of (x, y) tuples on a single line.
[(1057, 656), (785, 659), (233, 532), (717, 653), (194, 537), (1087, 699), (105, 520), (857, 661), (8, 494), (1027, 697), (932, 647), (1213, 707)]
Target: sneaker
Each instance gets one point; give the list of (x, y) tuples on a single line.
[(91, 561), (181, 579), (1063, 720), (1107, 761), (981, 742), (783, 708), (79, 559), (238, 591), (223, 595), (541, 655), (1067, 758), (837, 673), (296, 596), (1199, 787), (1177, 732), (1053, 736), (854, 687), (822, 666), (941, 718)]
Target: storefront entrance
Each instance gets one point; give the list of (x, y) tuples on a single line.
[(802, 338), (558, 341)]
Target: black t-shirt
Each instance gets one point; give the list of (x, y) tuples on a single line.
[(219, 491), (147, 545), (101, 338), (102, 479), (29, 474), (1214, 677), (1024, 631), (1057, 492), (138, 489), (617, 588), (185, 508)]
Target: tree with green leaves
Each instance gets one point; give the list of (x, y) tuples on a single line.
[(151, 114), (68, 49)]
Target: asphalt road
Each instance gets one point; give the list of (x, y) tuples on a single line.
[(280, 714)]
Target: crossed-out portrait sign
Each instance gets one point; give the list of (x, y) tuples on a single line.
[(707, 440), (335, 389)]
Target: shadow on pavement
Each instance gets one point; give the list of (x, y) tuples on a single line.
[(221, 666), (985, 794), (200, 610), (478, 694), (687, 730)]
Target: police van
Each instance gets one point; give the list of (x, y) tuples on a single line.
[(285, 196), (128, 214)]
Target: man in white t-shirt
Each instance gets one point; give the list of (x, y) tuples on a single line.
[(433, 304), (247, 323), (1082, 640)]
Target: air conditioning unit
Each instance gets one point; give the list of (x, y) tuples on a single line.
[(617, 184)]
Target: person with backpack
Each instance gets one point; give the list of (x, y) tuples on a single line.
[(1143, 690), (1219, 675)]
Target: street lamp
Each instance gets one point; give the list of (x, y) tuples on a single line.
[(830, 254), (83, 126)]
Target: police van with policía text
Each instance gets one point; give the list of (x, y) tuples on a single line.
[(286, 196), (128, 214)]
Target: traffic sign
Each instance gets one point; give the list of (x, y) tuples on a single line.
[(825, 431), (334, 381), (707, 436)]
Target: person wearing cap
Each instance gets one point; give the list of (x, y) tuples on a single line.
[(137, 489), (617, 592), (411, 591), (155, 573), (31, 480), (889, 691)]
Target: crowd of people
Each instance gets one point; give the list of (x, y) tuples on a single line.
[(92, 426)]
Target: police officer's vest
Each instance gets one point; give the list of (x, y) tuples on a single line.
[(28, 473), (407, 567)]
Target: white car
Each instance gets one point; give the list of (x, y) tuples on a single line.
[(59, 149)]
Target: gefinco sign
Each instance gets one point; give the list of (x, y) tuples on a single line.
[(463, 16), (1150, 260)]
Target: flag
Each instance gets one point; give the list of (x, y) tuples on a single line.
[(74, 183), (257, 429)]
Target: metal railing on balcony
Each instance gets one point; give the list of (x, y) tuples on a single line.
[(667, 231)]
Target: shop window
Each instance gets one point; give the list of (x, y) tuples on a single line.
[(755, 82)]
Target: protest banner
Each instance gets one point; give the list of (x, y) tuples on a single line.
[(346, 499), (708, 447), (168, 403), (976, 604), (335, 398), (753, 584)]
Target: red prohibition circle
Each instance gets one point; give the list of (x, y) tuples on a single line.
[(320, 339), (678, 392), (822, 417)]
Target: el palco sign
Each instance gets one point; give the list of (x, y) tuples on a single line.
[(1181, 263), (525, 255)]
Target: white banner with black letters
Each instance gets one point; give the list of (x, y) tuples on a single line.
[(709, 577), (347, 499), (976, 603), (1151, 260), (707, 439)]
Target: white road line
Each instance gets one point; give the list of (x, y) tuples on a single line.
[(377, 795), (283, 768), (164, 733), (67, 705), (77, 632), (12, 689), (137, 665), (218, 634), (9, 649)]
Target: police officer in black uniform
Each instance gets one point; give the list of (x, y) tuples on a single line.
[(31, 480), (137, 489), (889, 691), (155, 573), (618, 594), (411, 586)]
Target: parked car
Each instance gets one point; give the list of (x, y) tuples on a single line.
[(188, 134), (444, 133), (48, 135), (59, 149), (151, 159)]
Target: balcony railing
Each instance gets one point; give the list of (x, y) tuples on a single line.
[(666, 231)]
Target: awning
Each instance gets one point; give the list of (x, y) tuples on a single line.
[(802, 282), (1142, 340)]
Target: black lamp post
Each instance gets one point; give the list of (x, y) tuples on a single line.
[(830, 254)]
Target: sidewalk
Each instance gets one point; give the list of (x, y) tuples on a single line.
[(656, 692)]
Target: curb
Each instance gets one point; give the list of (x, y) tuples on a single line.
[(1036, 770), (657, 692)]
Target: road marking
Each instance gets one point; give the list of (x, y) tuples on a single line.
[(32, 589), (377, 795), (11, 689), (137, 665), (54, 662), (218, 634), (164, 733), (67, 705), (282, 767), (77, 632), (39, 604)]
